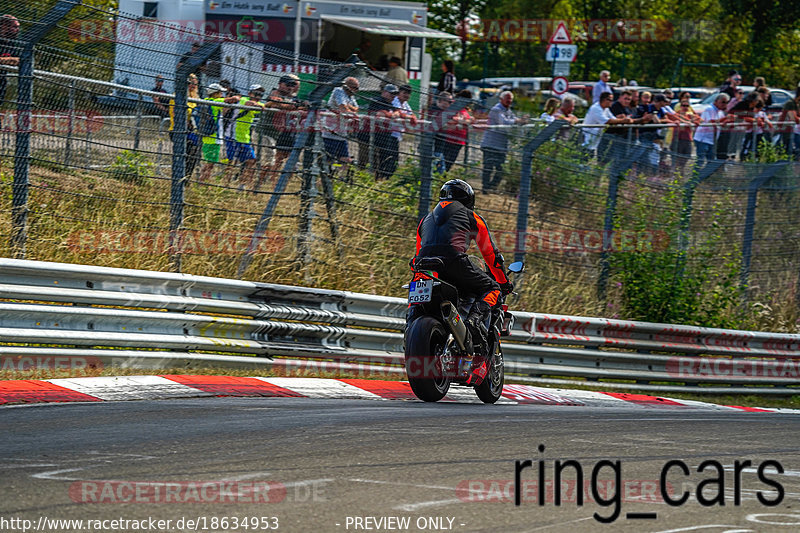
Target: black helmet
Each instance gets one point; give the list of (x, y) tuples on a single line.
[(458, 190)]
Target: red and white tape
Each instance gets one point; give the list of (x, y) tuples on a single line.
[(99, 389)]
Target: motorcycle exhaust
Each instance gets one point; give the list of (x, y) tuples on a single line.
[(456, 325)]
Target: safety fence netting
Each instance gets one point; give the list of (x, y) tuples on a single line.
[(110, 166)]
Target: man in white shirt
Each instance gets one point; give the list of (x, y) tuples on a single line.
[(599, 113), (705, 136), (344, 105), (601, 86), (407, 114)]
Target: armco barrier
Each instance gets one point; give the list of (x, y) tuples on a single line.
[(148, 319)]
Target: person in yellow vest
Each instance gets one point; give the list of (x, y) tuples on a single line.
[(241, 149), (209, 124), (192, 139)]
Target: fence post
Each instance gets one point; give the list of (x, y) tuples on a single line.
[(750, 219), (525, 184), (307, 197), (686, 210), (70, 125), (617, 172), (22, 150), (179, 134), (316, 100), (138, 123)]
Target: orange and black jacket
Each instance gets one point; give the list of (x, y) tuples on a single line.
[(448, 230)]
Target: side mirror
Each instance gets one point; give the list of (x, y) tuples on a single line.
[(516, 266)]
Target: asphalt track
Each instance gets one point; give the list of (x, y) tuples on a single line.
[(444, 467)]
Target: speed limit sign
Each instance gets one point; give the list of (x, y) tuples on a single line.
[(559, 85)]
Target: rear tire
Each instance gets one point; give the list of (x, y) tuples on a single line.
[(490, 390), (425, 343)]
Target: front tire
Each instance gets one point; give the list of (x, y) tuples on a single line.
[(490, 390), (425, 342)]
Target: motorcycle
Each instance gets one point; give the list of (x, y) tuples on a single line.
[(440, 350)]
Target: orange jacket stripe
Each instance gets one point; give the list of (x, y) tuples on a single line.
[(488, 249), (491, 298)]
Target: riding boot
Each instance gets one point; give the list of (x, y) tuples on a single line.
[(477, 322)]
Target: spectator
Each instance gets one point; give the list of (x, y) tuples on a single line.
[(612, 141), (744, 114), (550, 107), (760, 86), (192, 138), (565, 112), (241, 149), (645, 99), (286, 121), (213, 141), (706, 135), (386, 146), (729, 85), (230, 90), (652, 138), (682, 135), (344, 105), (396, 75), (789, 120), (623, 82), (227, 117), (405, 113), (495, 140), (634, 99), (160, 102), (599, 113), (363, 52), (601, 86), (185, 57), (762, 127), (9, 50), (447, 83), (437, 117), (457, 132)]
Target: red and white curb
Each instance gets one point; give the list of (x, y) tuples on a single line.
[(187, 386)]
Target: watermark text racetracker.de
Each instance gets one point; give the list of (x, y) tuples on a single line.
[(571, 240), (591, 30), (202, 492), (28, 363), (149, 523), (183, 241)]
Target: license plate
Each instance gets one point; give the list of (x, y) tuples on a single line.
[(420, 291)]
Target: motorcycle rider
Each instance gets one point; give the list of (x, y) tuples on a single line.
[(447, 232)]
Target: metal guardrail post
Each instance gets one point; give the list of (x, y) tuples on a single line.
[(616, 173), (22, 150), (750, 218), (525, 183), (316, 101), (179, 137)]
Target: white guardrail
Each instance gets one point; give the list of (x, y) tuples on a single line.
[(142, 319)]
